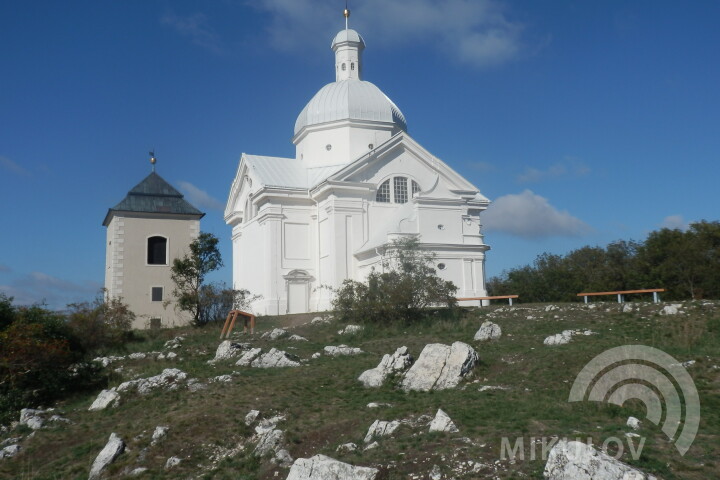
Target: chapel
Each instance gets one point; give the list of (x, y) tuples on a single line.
[(358, 181)]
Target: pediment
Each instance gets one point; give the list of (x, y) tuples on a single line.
[(403, 156)]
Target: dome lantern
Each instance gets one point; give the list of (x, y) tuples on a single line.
[(348, 46)]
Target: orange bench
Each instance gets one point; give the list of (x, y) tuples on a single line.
[(496, 297), (230, 323), (621, 294)]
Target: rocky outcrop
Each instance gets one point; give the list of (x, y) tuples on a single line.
[(297, 338), (578, 461), (169, 379), (275, 334), (271, 441), (248, 357), (159, 434), (350, 330), (32, 418), (320, 321), (341, 350), (381, 428), (565, 337), (227, 350), (393, 364), (275, 358), (114, 447), (440, 367), (488, 331), (106, 398), (9, 451), (321, 467), (443, 423), (672, 309)]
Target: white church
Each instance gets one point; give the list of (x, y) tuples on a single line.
[(357, 182)]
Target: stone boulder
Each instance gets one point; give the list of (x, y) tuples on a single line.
[(248, 357), (442, 423), (672, 309), (565, 337), (321, 467), (381, 428), (350, 330), (106, 398), (275, 334), (297, 338), (276, 358), (169, 379), (32, 418), (227, 350), (341, 350), (488, 331), (579, 461), (320, 321), (114, 447), (440, 367), (396, 363), (9, 451)]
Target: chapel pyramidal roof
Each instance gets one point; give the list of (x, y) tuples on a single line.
[(153, 195)]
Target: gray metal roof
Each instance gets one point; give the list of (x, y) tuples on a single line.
[(288, 172), (154, 195)]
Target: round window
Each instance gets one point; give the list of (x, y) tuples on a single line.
[(371, 146), (441, 227), (441, 266), (328, 147)]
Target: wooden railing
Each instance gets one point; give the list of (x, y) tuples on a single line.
[(496, 297), (621, 294)]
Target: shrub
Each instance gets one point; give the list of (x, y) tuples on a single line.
[(217, 300), (102, 324), (403, 291)]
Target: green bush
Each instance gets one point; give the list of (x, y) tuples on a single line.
[(101, 325), (407, 289)]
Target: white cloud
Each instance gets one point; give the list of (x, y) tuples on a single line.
[(674, 222), (570, 168), (8, 164), (475, 32), (197, 28), (199, 198), (531, 216)]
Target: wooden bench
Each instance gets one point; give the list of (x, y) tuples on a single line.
[(230, 323), (497, 297), (620, 294)]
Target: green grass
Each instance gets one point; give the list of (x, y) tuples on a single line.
[(325, 405)]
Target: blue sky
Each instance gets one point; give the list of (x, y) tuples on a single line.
[(584, 122)]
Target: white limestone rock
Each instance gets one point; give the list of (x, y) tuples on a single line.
[(371, 446), (114, 447), (227, 350), (321, 467), (275, 334), (137, 471), (672, 309), (32, 418), (10, 451), (350, 330), (105, 399), (221, 379), (172, 462), (341, 350), (633, 423), (440, 367), (488, 331), (159, 434), (169, 379), (558, 339), (627, 308), (195, 385), (283, 458), (320, 321), (316, 355), (297, 338), (435, 473), (393, 364), (579, 461), (174, 343), (248, 357), (251, 417), (443, 423), (269, 441), (346, 447), (275, 358), (378, 405), (137, 356), (171, 355), (381, 428)]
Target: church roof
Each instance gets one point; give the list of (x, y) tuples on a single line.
[(154, 195), (288, 172), (350, 99), (347, 35)]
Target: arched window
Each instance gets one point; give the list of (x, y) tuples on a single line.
[(383, 192), (415, 188), (157, 251), (401, 189), (352, 66), (344, 67)]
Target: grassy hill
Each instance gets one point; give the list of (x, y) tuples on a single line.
[(325, 406)]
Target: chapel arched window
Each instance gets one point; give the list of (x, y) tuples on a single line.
[(415, 188), (383, 192), (400, 185), (157, 251)]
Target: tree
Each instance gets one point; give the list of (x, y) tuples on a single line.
[(217, 300), (188, 273), (407, 285)]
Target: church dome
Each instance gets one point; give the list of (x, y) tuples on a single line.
[(350, 99)]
